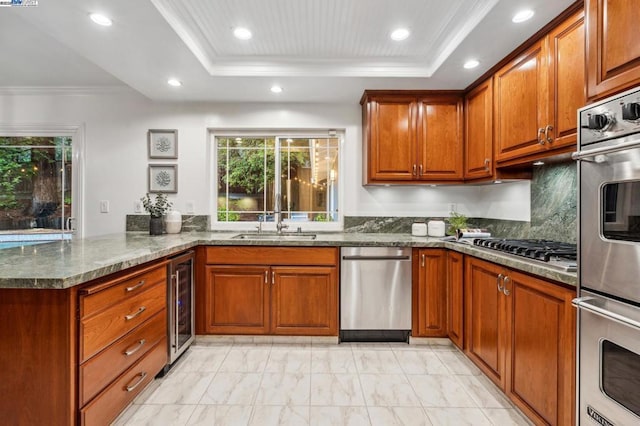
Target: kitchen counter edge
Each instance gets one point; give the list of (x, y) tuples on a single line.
[(65, 264)]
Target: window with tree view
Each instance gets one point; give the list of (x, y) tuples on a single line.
[(297, 176), (35, 188)]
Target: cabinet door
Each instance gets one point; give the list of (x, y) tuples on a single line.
[(305, 300), (237, 299), (485, 315), (567, 79), (613, 50), (440, 138), (479, 132), (521, 104), (392, 144), (542, 340), (430, 295), (455, 300)]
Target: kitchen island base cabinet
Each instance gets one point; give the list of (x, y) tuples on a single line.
[(521, 334), (294, 293)]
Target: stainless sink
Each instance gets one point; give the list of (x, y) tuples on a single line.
[(274, 236)]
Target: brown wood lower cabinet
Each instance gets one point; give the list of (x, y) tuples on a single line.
[(294, 292), (521, 334), (80, 355), (455, 298), (429, 293)]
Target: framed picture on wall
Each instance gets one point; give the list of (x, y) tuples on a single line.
[(163, 178), (163, 143)]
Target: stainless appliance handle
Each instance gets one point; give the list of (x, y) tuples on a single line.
[(588, 153), (376, 258), (583, 303)]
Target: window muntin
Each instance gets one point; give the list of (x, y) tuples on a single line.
[(307, 186)]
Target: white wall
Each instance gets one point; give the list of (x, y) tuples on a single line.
[(116, 155)]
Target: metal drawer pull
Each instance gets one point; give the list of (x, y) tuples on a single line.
[(135, 314), (498, 280), (132, 351), (504, 287), (142, 375), (583, 303), (140, 284)]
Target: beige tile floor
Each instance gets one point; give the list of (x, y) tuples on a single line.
[(321, 384)]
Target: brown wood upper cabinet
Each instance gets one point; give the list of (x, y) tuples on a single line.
[(412, 137), (478, 148), (536, 96), (613, 47)]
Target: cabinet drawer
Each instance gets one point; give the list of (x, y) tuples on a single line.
[(290, 256), (100, 330), (106, 293), (108, 405), (103, 368)]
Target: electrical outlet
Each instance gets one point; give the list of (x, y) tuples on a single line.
[(453, 207), (190, 207), (137, 206), (104, 206)]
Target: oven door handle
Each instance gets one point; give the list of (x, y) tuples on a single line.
[(587, 154), (583, 303)]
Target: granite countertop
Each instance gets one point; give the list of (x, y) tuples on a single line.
[(64, 264)]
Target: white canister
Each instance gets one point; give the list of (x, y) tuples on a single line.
[(419, 229), (436, 228), (173, 222)]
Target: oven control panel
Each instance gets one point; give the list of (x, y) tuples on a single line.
[(615, 117)]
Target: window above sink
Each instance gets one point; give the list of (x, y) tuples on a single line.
[(257, 176)]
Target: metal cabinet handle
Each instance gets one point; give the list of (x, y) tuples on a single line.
[(266, 277), (504, 288), (423, 259), (540, 131), (142, 376), (499, 279), (486, 164), (546, 133), (135, 287), (135, 314), (129, 352), (414, 170), (420, 170), (273, 277)]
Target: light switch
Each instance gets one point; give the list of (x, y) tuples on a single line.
[(104, 206), (190, 207)]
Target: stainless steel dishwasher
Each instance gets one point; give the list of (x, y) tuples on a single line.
[(375, 294)]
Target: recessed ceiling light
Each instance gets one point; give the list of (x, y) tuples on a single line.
[(242, 33), (497, 181), (100, 19), (523, 15), (400, 34), (471, 63), (174, 82), (276, 89), (538, 163)]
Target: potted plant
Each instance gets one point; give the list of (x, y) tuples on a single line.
[(456, 221), (156, 208)]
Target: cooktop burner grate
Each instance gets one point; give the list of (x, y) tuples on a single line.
[(562, 254)]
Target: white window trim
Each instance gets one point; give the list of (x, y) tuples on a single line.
[(77, 134), (271, 226)]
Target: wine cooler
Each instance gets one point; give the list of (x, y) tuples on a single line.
[(180, 301)]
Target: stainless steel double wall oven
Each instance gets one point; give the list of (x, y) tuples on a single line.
[(609, 261)]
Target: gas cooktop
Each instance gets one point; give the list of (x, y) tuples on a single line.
[(558, 255)]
